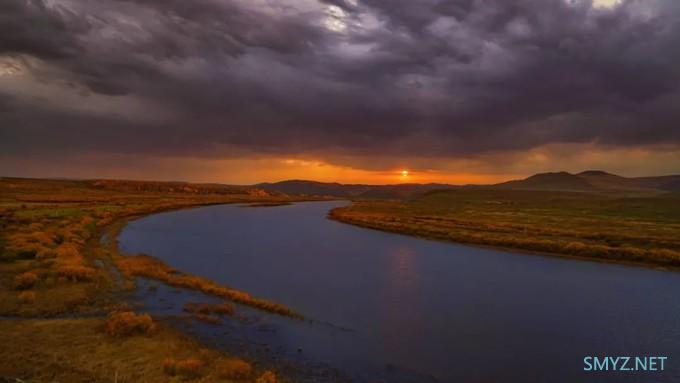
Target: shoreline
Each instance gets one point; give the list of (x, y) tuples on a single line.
[(154, 268), (52, 228), (183, 322), (658, 266)]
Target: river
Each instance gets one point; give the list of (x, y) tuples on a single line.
[(403, 309)]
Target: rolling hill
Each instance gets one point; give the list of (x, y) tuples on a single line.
[(587, 181), (399, 191), (549, 181), (593, 180)]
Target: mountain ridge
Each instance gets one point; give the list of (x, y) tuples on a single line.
[(585, 181)]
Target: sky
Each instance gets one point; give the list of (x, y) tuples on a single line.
[(354, 91)]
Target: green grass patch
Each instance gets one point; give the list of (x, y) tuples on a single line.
[(50, 213)]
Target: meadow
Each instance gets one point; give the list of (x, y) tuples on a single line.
[(642, 228), (63, 281), (63, 285)]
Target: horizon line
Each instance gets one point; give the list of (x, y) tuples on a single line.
[(62, 178)]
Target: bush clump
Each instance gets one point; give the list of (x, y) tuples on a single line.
[(149, 267), (267, 377), (77, 273), (25, 280), (234, 368), (187, 368), (208, 309), (127, 323), (169, 366), (26, 297)]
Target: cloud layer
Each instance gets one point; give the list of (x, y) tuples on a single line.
[(338, 80)]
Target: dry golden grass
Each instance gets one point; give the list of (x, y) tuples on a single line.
[(603, 226), (77, 273), (267, 377), (25, 280), (235, 369), (149, 267), (187, 368), (52, 262), (127, 323), (55, 226), (77, 350), (209, 308), (26, 297)]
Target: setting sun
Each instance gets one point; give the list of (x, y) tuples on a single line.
[(209, 163)]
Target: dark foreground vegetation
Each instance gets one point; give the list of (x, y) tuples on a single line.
[(53, 264), (640, 227)]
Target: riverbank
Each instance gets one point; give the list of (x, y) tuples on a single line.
[(393, 294), (53, 264), (641, 229)]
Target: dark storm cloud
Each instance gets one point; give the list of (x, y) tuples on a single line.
[(424, 78)]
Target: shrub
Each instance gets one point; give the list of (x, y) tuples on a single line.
[(25, 249), (45, 253), (67, 250), (44, 238), (188, 368), (127, 323), (267, 377), (208, 309), (25, 280), (170, 366), (77, 273), (149, 267), (26, 297), (234, 368)]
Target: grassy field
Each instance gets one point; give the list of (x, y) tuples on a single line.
[(53, 264), (641, 228), (80, 350), (61, 286)]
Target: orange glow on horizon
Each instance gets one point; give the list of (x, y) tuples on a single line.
[(249, 171), (313, 170)]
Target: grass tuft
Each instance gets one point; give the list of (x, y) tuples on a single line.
[(26, 297), (235, 369), (267, 377), (127, 323), (76, 273), (25, 280), (150, 267), (187, 368), (208, 308)]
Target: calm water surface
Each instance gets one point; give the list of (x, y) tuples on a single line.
[(403, 309)]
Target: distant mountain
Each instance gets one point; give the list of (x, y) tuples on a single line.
[(399, 191), (593, 180), (587, 181), (607, 181), (403, 191), (315, 188), (549, 181), (665, 183)]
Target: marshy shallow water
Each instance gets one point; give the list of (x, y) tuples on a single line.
[(403, 309)]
